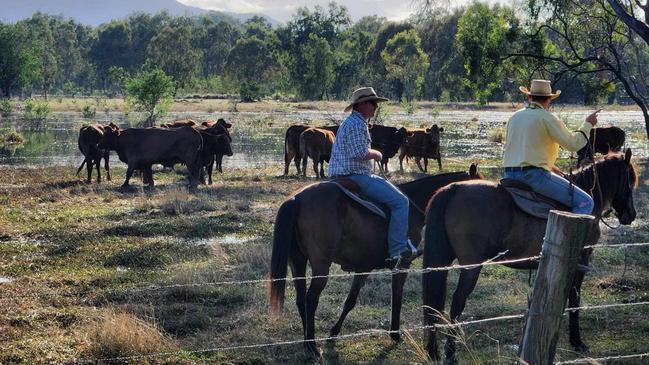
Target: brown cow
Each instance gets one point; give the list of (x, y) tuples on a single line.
[(179, 123), (218, 158), (292, 144), (316, 143), (422, 143), (89, 138), (388, 140), (140, 148)]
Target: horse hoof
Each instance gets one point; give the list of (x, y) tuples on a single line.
[(581, 348), (395, 336)]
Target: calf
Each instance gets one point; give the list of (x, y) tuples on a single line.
[(422, 143), (140, 148), (388, 140), (316, 143), (292, 144), (218, 158), (89, 138), (601, 140), (217, 142)]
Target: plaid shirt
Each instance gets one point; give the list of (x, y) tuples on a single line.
[(350, 148)]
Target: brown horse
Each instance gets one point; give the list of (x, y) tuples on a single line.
[(321, 225), (475, 221)]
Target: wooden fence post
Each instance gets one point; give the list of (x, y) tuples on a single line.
[(565, 235)]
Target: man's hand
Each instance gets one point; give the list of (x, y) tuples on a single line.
[(592, 118), (373, 154)]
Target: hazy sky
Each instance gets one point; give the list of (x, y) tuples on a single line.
[(282, 10)]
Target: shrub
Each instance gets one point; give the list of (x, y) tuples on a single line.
[(7, 107), (89, 111), (497, 135), (36, 110), (408, 106), (12, 137)]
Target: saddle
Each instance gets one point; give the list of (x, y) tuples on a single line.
[(529, 201), (353, 191)]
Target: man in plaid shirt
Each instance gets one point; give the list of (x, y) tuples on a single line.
[(351, 157)]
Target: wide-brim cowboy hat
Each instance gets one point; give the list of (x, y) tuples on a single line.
[(540, 88), (363, 94)]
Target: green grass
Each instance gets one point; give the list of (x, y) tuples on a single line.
[(144, 263)]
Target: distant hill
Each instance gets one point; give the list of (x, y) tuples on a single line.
[(96, 12)]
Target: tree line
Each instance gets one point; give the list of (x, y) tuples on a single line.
[(478, 52)]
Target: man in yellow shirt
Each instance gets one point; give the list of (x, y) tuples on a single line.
[(533, 139)]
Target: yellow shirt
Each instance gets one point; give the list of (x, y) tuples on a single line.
[(534, 136)]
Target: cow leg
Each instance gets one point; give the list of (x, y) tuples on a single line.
[(298, 160), (350, 303), (418, 162), (129, 173), (89, 166), (316, 161), (98, 166), (148, 173), (401, 156), (439, 162), (219, 162), (305, 159), (288, 157), (106, 165), (210, 168), (322, 174), (425, 164)]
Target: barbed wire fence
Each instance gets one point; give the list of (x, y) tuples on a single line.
[(364, 333)]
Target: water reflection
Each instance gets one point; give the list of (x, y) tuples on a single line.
[(258, 137)]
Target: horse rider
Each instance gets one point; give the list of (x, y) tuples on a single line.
[(351, 157), (533, 139)]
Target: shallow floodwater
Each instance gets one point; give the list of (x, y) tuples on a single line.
[(258, 137)]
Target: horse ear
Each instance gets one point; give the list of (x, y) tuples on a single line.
[(627, 156), (473, 170)]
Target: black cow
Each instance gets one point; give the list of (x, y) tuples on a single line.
[(601, 140), (388, 140)]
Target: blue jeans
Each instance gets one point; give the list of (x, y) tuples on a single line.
[(556, 187), (378, 189)]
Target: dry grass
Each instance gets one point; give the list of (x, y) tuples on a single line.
[(122, 334)]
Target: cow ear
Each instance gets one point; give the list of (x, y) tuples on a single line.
[(473, 169), (370, 126), (428, 130), (627, 156), (441, 129)]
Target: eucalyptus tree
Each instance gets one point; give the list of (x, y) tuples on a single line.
[(406, 62), (172, 50)]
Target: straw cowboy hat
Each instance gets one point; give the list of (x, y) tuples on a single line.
[(363, 94), (540, 88)]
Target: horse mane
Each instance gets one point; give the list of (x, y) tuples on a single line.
[(432, 178)]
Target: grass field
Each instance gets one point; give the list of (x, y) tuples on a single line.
[(91, 272)]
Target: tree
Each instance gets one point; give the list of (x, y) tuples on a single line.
[(406, 61), (150, 91), (171, 50), (483, 38), (251, 64), (111, 49), (18, 64), (319, 68)]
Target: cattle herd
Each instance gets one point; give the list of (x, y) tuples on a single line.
[(201, 146)]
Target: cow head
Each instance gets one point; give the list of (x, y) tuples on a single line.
[(223, 123), (402, 135), (223, 145), (433, 134), (109, 138)]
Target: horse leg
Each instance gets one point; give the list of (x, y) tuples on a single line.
[(466, 284), (318, 284), (574, 300), (298, 268), (350, 303), (397, 297)]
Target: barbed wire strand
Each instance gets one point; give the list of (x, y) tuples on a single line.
[(369, 332), (342, 275), (596, 360)]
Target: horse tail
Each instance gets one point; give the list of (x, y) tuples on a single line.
[(284, 238), (437, 253)]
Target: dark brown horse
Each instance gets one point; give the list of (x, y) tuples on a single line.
[(320, 225), (475, 221)]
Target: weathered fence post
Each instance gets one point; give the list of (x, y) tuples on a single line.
[(565, 235)]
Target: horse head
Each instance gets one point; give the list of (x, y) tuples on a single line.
[(617, 179)]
